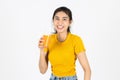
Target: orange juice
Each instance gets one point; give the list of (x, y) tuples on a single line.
[(45, 43)]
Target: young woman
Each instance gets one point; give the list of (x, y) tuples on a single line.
[(63, 49)]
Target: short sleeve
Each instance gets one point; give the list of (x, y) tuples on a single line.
[(79, 46)]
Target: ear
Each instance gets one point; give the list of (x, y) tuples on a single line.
[(70, 21)]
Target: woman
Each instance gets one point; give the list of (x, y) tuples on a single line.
[(63, 49)]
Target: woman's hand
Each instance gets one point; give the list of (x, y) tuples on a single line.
[(43, 44)]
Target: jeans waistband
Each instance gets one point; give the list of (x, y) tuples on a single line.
[(63, 78)]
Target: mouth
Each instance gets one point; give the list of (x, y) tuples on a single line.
[(60, 27)]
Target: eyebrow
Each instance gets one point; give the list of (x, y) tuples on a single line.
[(65, 17), (62, 17)]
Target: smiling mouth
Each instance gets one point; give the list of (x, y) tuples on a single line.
[(60, 27)]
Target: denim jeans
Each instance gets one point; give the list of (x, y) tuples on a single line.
[(63, 78)]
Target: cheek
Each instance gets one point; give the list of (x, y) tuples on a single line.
[(54, 23), (67, 24)]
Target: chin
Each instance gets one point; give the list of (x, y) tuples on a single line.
[(60, 31)]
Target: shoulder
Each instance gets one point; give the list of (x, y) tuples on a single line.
[(76, 37)]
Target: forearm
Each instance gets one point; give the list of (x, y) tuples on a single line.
[(87, 75), (43, 63)]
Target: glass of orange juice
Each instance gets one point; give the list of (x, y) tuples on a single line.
[(45, 43)]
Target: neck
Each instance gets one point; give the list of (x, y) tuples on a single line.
[(62, 36)]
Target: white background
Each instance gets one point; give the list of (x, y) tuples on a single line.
[(23, 22)]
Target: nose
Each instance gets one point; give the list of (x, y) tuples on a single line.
[(60, 22)]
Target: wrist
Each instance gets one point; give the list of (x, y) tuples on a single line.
[(43, 52)]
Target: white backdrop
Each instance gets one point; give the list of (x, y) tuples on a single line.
[(23, 22)]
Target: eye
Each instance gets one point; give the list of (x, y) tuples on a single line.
[(56, 18), (64, 19)]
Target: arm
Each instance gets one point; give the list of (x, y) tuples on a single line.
[(43, 61), (85, 65)]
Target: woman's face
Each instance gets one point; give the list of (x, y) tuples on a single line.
[(61, 22)]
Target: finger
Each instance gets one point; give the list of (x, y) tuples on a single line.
[(40, 45), (41, 41), (42, 38)]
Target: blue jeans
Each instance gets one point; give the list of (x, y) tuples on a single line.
[(63, 78)]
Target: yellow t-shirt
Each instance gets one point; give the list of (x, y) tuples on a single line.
[(62, 55)]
